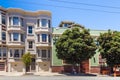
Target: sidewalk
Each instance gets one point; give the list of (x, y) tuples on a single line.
[(11, 73), (47, 74)]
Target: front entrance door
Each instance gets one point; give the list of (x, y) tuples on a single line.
[(33, 64)]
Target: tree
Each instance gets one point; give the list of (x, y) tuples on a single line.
[(110, 47), (75, 45), (26, 58)]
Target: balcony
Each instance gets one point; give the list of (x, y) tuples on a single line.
[(43, 29), (16, 28), (43, 44), (38, 59), (16, 43)]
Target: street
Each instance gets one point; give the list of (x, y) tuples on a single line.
[(58, 78)]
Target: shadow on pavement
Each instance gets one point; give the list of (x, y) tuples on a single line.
[(79, 74)]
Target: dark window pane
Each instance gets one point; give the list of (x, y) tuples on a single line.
[(4, 52), (44, 37), (9, 20), (48, 53), (38, 37), (22, 37), (44, 54), (49, 39), (16, 53), (22, 22), (3, 36), (38, 22), (3, 19), (49, 23), (11, 54), (44, 22), (30, 44), (0, 52), (15, 36), (30, 29), (15, 21)]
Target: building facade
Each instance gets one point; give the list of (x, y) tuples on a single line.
[(23, 31), (89, 66)]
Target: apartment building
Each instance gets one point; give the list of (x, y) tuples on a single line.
[(23, 31)]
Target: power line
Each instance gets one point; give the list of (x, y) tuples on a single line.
[(79, 3), (85, 9)]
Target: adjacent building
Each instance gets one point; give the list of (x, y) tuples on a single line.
[(89, 66)]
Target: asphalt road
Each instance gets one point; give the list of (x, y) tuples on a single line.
[(58, 78)]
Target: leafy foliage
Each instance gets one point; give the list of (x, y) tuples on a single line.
[(110, 47), (75, 46), (26, 58)]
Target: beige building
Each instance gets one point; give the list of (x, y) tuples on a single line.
[(23, 31)]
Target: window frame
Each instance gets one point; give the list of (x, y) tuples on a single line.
[(30, 44), (44, 37), (4, 37), (14, 36), (45, 56), (30, 29), (15, 23), (3, 19), (44, 23), (16, 55)]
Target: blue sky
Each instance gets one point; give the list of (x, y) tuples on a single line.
[(97, 20)]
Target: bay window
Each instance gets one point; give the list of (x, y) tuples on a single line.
[(15, 21), (44, 22), (16, 53), (4, 52), (44, 37), (44, 53), (3, 36), (15, 36), (30, 30), (30, 44), (3, 19)]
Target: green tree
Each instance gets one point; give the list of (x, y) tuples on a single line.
[(26, 58), (110, 47), (75, 45)]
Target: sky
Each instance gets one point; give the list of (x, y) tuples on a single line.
[(104, 15)]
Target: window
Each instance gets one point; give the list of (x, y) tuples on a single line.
[(11, 54), (38, 22), (49, 23), (10, 36), (30, 30), (15, 21), (44, 37), (3, 36), (22, 37), (38, 37), (4, 52), (22, 52), (49, 39), (65, 25), (30, 44), (44, 22), (38, 51), (3, 19), (22, 22), (0, 52), (44, 54), (48, 53), (15, 36), (16, 53), (10, 20)]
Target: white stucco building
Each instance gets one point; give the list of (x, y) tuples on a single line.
[(23, 31)]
